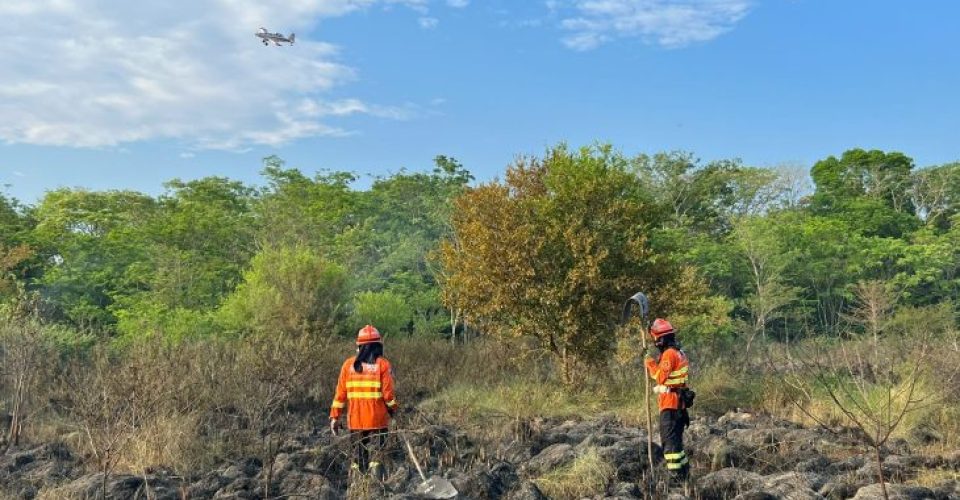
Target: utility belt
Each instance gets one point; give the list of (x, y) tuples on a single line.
[(686, 394), (662, 389)]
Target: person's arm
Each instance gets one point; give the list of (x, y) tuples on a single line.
[(386, 384), (340, 397), (660, 372)]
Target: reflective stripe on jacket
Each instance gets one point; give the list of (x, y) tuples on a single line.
[(669, 373), (366, 395)]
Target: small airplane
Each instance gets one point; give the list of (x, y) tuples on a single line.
[(276, 38)]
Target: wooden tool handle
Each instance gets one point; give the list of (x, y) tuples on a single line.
[(413, 457)]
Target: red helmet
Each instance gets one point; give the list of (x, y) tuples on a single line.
[(660, 328), (368, 335)]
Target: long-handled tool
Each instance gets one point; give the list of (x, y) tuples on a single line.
[(435, 487), (640, 299)]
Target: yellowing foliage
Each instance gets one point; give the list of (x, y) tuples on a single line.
[(551, 253)]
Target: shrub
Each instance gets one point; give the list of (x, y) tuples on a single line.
[(386, 310), (147, 318), (287, 290), (550, 254)]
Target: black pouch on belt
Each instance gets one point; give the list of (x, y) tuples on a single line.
[(686, 397)]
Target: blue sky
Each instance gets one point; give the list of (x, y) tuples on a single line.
[(117, 94)]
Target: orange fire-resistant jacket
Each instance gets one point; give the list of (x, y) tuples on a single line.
[(366, 395), (670, 374)]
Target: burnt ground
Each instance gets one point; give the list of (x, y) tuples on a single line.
[(737, 456)]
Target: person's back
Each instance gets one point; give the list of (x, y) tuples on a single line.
[(365, 391), (367, 386)]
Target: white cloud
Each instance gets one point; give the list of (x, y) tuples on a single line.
[(670, 23), (94, 73), (428, 22), (459, 4)]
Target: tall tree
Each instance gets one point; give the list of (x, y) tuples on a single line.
[(871, 190), (93, 242), (936, 194), (15, 222), (761, 243), (15, 254), (201, 239), (550, 253), (298, 210)]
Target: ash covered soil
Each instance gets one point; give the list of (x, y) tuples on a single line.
[(737, 456)]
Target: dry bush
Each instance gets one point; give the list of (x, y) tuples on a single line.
[(27, 363), (166, 440), (115, 398), (189, 405), (426, 367), (482, 383), (94, 400), (57, 493), (269, 385), (877, 385)]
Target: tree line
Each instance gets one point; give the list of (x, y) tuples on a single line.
[(214, 256), (546, 253)]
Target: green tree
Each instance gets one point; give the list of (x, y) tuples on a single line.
[(15, 254), (828, 260), (760, 241), (199, 242), (928, 267), (707, 198), (15, 222), (298, 210), (870, 190), (386, 310), (11, 259), (289, 290), (936, 194), (406, 215), (92, 243)]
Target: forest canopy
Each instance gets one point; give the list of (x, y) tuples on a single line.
[(726, 248)]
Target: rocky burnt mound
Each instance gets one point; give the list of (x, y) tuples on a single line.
[(738, 456)]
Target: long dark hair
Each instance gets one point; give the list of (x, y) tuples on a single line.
[(667, 341), (368, 354)]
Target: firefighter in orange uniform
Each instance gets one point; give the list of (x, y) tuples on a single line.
[(365, 390), (668, 366)]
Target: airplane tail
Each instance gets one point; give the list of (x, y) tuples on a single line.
[(293, 37)]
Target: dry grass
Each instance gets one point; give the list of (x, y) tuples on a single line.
[(56, 493), (513, 399), (931, 478), (365, 487), (586, 476), (220, 397), (166, 441), (931, 422)]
